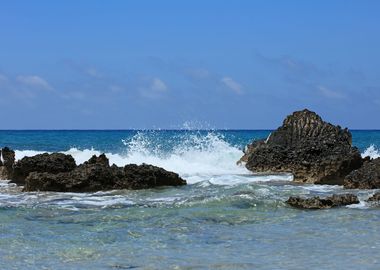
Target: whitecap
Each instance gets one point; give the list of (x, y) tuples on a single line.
[(371, 152)]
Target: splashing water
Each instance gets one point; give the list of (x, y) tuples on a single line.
[(194, 156), (227, 218), (371, 152)]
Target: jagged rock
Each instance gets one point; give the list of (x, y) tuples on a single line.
[(147, 176), (367, 177), (47, 163), (7, 161), (322, 203), (312, 150), (249, 149), (96, 174), (375, 198)]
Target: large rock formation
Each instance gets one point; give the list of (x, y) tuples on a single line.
[(7, 160), (312, 150), (96, 174), (49, 163), (323, 203), (367, 177)]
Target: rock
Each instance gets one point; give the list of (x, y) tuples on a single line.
[(7, 161), (374, 200), (312, 150), (375, 197), (367, 177), (47, 163), (249, 149), (148, 176), (101, 160), (320, 203), (96, 174)]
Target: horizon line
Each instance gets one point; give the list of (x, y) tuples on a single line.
[(169, 129)]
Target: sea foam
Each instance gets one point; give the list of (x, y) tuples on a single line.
[(195, 156), (371, 152)]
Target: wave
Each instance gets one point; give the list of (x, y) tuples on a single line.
[(371, 152), (196, 156), (191, 156)]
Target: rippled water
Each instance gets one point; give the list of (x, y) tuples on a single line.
[(226, 218)]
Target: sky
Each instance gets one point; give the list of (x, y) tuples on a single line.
[(187, 64)]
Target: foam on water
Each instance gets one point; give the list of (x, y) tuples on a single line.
[(195, 156), (371, 152)]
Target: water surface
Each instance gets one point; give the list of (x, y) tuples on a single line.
[(226, 218)]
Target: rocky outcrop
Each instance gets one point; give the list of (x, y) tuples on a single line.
[(367, 177), (7, 160), (96, 174), (48, 163), (312, 150), (323, 203)]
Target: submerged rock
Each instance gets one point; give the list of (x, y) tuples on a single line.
[(7, 161), (322, 203), (47, 163), (96, 174), (367, 177), (312, 150)]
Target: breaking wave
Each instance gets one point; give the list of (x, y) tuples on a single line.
[(194, 156), (371, 152)]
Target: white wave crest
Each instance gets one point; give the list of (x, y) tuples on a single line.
[(371, 152), (194, 155), (190, 156)]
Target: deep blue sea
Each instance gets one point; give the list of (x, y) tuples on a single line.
[(225, 218)]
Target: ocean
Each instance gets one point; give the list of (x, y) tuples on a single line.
[(225, 218)]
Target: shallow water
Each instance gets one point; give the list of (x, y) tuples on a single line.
[(226, 218)]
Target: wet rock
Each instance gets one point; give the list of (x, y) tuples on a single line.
[(374, 198), (147, 176), (312, 150), (322, 203), (47, 163), (367, 177), (96, 174), (7, 161), (249, 149)]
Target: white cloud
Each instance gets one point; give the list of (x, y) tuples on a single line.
[(34, 81), (153, 88), (158, 85), (330, 93), (231, 84)]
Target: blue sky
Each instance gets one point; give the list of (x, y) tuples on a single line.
[(201, 64)]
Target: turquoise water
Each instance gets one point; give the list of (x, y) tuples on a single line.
[(226, 218)]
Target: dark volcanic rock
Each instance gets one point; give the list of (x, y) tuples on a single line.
[(322, 203), (96, 174), (367, 177), (147, 176), (312, 150), (6, 163), (250, 148), (375, 198), (47, 163)]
